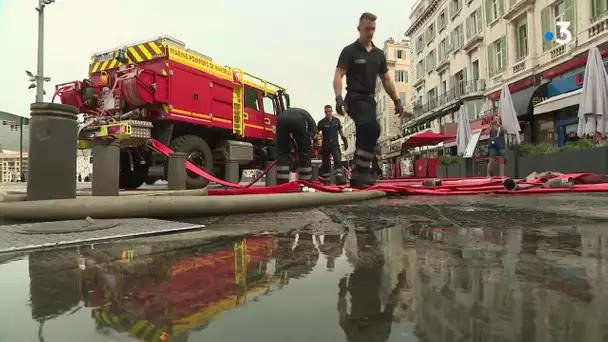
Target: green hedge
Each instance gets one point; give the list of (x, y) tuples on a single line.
[(445, 160), (544, 148)]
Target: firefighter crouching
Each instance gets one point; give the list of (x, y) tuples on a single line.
[(296, 124)]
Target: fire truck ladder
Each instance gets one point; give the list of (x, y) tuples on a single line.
[(238, 124)]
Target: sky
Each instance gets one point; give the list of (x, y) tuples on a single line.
[(292, 43)]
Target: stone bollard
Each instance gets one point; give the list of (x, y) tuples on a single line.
[(176, 173), (231, 171), (271, 175), (106, 168), (52, 152)]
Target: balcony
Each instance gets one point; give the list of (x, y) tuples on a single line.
[(473, 42), (598, 27), (516, 7), (521, 65), (444, 62), (461, 91)]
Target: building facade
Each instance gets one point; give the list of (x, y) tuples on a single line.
[(399, 67), (465, 50), (11, 166)]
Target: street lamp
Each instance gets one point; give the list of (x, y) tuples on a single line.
[(39, 79)]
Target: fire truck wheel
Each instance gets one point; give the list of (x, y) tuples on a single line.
[(131, 179), (199, 154)]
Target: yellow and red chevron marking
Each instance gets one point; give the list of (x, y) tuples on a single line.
[(136, 54)]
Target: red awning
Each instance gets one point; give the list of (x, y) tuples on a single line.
[(427, 138)]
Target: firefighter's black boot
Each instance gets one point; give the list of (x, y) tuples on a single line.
[(340, 177), (283, 167)]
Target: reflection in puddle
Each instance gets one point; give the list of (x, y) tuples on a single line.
[(421, 281)]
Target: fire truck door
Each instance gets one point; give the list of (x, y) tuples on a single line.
[(270, 116)]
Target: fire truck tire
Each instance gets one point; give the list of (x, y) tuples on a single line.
[(194, 146), (131, 179)]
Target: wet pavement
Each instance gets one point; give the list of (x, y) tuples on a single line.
[(388, 270)]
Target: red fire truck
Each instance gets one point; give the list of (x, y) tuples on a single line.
[(158, 293), (158, 89)]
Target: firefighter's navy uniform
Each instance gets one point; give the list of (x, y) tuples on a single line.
[(362, 70), (297, 126), (330, 148)]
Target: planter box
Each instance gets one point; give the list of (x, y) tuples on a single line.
[(453, 170), (592, 160), (442, 171)]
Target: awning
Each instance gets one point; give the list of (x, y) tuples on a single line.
[(558, 102), (425, 139), (523, 100), (450, 143)]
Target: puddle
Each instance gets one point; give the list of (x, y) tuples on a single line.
[(423, 280)]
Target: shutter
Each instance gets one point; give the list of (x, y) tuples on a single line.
[(545, 23), (461, 36), (569, 15), (468, 22), (478, 20), (595, 8), (488, 4), (501, 7), (491, 60), (503, 46), (464, 74)]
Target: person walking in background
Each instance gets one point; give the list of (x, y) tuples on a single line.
[(330, 127), (497, 145), (362, 62)]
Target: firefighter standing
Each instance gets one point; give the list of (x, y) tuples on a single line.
[(296, 125), (361, 62), (330, 127)]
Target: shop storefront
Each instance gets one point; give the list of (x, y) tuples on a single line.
[(556, 115)]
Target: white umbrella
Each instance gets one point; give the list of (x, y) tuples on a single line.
[(463, 134), (593, 108), (507, 114)]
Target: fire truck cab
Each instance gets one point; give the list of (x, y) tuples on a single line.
[(158, 89)]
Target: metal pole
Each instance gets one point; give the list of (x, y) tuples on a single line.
[(40, 71), (21, 150)]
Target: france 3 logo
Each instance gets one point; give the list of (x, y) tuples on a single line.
[(563, 36)]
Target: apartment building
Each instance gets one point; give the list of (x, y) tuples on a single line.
[(448, 62), (465, 50), (398, 61), (10, 135), (544, 76)]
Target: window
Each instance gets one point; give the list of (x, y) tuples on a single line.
[(430, 33), (442, 21), (550, 15), (455, 6), (251, 99), (497, 56), (399, 54), (522, 41), (431, 61), (403, 98), (475, 70), (420, 70), (461, 80), (474, 24), (494, 9), (420, 43), (457, 37), (269, 105), (444, 48), (599, 7), (400, 76)]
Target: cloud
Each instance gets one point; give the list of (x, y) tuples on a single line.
[(295, 45)]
